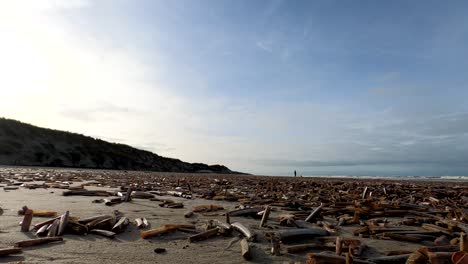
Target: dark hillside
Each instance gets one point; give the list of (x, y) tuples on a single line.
[(28, 145)]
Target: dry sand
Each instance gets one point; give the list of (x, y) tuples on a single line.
[(128, 247)]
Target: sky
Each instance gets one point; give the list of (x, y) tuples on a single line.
[(265, 87)]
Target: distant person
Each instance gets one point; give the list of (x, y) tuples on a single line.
[(295, 173)]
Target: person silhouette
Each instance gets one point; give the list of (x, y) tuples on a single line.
[(295, 173)]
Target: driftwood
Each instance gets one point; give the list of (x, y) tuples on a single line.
[(390, 259), (188, 214), (247, 233), (105, 233), (10, 251), (314, 213), (302, 247), (28, 215), (326, 258), (265, 216), (245, 249), (37, 241), (463, 242), (163, 229), (207, 208), (204, 235), (300, 233), (128, 195), (113, 201), (86, 193), (40, 213), (245, 212)]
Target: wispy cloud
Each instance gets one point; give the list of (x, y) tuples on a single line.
[(264, 46)]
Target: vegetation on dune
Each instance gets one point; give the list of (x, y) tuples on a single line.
[(28, 145)]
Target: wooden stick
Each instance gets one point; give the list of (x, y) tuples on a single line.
[(28, 215), (204, 235), (338, 245), (163, 229), (265, 216), (314, 213), (128, 194), (463, 242), (11, 250), (40, 213), (37, 241), (188, 214), (245, 249)]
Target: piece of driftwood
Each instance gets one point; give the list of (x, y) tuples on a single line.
[(37, 241), (26, 223), (10, 251), (228, 218), (326, 258), (113, 201), (53, 228), (265, 216), (86, 193), (207, 208), (245, 249), (245, 212), (63, 223), (302, 247), (314, 213), (163, 229), (300, 233), (204, 235), (188, 214), (128, 195), (395, 259), (464, 242), (120, 226), (104, 233), (339, 245), (397, 252), (246, 232), (40, 213)]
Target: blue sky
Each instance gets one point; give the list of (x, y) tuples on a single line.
[(323, 87)]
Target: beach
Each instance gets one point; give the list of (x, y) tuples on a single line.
[(228, 192)]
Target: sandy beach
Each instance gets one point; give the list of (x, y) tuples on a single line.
[(128, 247)]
